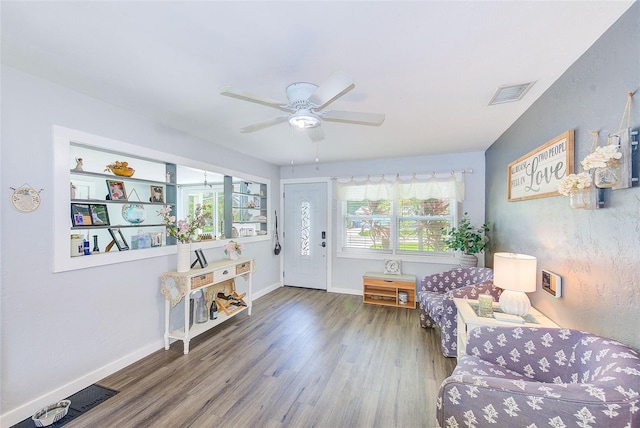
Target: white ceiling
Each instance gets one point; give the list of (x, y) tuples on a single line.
[(430, 66)]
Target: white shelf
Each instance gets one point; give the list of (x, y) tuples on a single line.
[(118, 177), (199, 328), (109, 201)]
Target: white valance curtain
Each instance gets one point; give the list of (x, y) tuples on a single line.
[(375, 189)]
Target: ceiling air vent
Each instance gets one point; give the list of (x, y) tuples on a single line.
[(510, 93)]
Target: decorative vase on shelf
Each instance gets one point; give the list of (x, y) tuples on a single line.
[(200, 308), (184, 257), (233, 255), (468, 260), (609, 175), (580, 198)]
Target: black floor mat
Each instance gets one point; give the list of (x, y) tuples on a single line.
[(81, 401)]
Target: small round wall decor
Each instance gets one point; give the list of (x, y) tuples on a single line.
[(25, 198)]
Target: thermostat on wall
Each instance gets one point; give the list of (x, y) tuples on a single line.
[(552, 283)]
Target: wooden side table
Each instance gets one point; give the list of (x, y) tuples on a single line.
[(468, 319), (384, 289), (177, 286)]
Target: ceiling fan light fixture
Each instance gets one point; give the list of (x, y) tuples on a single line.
[(304, 119)]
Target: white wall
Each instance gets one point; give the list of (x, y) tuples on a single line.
[(346, 273), (64, 331)]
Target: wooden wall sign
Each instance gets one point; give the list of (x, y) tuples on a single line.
[(537, 174)]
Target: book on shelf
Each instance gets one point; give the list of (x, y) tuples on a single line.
[(500, 316)]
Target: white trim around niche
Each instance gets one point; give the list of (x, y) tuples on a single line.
[(62, 138)]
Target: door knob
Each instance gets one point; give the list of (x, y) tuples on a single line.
[(324, 244)]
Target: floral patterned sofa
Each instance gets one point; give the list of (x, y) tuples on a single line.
[(541, 377), (435, 295)]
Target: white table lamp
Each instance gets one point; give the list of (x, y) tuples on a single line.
[(516, 275)]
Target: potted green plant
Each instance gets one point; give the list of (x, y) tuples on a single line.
[(468, 239)]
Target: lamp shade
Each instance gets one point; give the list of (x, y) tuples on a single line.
[(515, 272)]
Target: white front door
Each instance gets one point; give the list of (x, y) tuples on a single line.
[(305, 235)]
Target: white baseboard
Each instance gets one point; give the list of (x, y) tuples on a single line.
[(345, 291), (266, 291), (25, 411)]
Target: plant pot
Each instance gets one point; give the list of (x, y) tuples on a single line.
[(233, 255), (468, 260)]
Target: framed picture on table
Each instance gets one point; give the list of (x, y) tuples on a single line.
[(200, 259)]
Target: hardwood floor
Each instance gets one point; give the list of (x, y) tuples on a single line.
[(305, 358)]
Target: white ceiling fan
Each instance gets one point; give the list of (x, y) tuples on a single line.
[(307, 103)]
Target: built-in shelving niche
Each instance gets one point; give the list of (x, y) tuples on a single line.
[(153, 168)]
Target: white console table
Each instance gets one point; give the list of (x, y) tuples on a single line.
[(177, 286)]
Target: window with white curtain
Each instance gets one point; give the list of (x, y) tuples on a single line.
[(399, 216)]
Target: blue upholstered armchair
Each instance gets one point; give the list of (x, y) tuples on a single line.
[(519, 376), (435, 296)]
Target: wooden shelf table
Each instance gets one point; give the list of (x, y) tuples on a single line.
[(177, 286), (384, 289)]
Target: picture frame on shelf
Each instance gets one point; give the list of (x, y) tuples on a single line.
[(156, 239), (392, 267), (80, 215), (99, 214), (200, 258), (157, 194), (256, 202), (83, 190), (118, 238), (116, 190)]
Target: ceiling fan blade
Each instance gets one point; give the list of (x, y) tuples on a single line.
[(337, 85), (264, 124), (316, 134), (230, 91), (353, 117)]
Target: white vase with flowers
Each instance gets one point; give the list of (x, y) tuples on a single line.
[(184, 231), (233, 249)]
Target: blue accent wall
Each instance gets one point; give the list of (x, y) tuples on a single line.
[(597, 252)]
